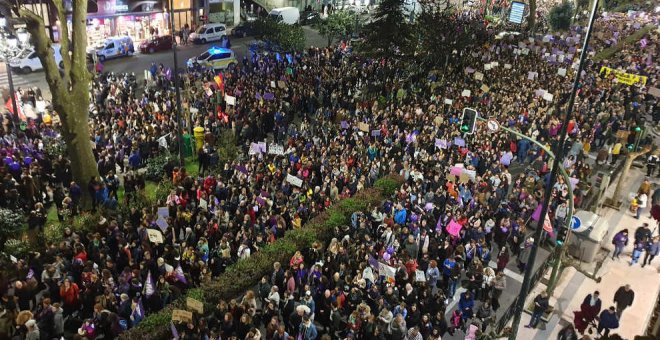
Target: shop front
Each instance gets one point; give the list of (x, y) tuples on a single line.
[(140, 20)]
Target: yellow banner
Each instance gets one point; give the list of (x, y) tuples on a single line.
[(622, 77)]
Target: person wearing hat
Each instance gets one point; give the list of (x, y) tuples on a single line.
[(32, 330)]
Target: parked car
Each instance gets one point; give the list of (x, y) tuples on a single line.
[(162, 43), (309, 17), (286, 15), (208, 32), (28, 61), (243, 30)]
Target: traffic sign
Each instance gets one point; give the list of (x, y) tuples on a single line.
[(493, 125), (576, 223)]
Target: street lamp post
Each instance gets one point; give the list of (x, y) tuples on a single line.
[(10, 47), (177, 89), (524, 290)]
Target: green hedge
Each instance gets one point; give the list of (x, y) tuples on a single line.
[(245, 274)]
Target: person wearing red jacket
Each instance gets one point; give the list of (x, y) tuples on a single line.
[(70, 295)]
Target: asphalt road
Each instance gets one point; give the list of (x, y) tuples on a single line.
[(138, 63)]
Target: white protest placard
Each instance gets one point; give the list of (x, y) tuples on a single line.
[(294, 180), (272, 84), (548, 96), (448, 101), (254, 149), (561, 72), (275, 149), (230, 100), (155, 236), (561, 58), (385, 270), (466, 93), (472, 174), (507, 66), (516, 51), (487, 67), (13, 259), (419, 276), (525, 51), (654, 91), (478, 76), (495, 64)]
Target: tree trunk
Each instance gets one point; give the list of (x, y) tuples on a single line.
[(70, 86), (630, 158), (531, 20)]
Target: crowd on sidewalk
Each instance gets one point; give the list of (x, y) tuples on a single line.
[(390, 273)]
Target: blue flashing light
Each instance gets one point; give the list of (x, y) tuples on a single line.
[(217, 50)]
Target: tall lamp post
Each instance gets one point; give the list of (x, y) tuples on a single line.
[(11, 47), (179, 128), (524, 290)]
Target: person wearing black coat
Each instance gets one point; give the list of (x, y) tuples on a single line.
[(567, 333), (608, 320)]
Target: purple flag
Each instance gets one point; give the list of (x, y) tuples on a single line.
[(536, 216), (459, 141), (175, 333), (261, 201), (643, 42), (373, 262), (344, 124), (178, 273), (469, 70), (149, 288), (241, 168), (269, 96), (238, 93)]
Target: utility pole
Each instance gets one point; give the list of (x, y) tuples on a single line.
[(524, 290), (179, 126)]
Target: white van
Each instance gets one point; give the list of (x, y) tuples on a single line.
[(208, 32), (115, 47), (286, 15), (28, 61)]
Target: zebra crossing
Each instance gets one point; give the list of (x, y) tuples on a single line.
[(19, 80)]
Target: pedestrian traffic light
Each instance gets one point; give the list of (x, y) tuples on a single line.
[(468, 120), (562, 232)]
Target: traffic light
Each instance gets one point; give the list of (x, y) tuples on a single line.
[(562, 232), (468, 120)]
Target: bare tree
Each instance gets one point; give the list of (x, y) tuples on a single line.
[(69, 86)]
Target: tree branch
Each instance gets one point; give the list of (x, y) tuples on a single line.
[(80, 77), (64, 35)]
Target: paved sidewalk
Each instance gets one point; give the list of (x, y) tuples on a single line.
[(574, 286)]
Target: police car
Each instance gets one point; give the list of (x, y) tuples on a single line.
[(216, 57)]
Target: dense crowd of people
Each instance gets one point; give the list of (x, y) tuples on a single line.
[(427, 262)]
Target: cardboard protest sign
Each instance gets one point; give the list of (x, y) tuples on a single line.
[(195, 305), (485, 88), (463, 178), (420, 276), (387, 271), (184, 316), (654, 91), (275, 149), (363, 127), (294, 180), (478, 76), (281, 84), (230, 100), (155, 236)]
